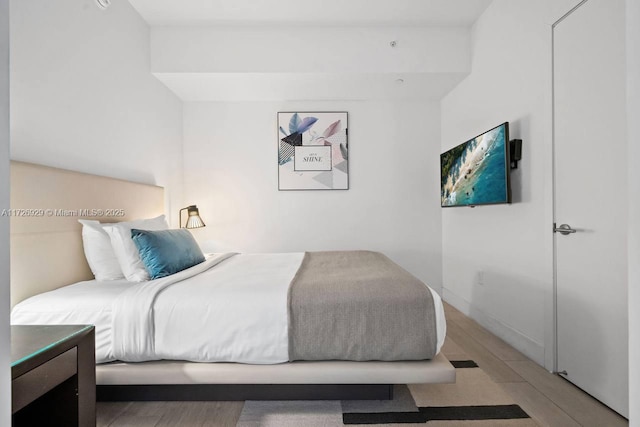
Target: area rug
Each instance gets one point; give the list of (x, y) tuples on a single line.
[(473, 401)]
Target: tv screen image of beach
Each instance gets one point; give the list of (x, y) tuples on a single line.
[(475, 172)]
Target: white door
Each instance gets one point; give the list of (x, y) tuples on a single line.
[(590, 197)]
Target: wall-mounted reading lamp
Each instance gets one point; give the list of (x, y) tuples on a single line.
[(193, 217)]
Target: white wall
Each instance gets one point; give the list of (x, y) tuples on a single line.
[(230, 161), (83, 97), (511, 245), (5, 349), (633, 112)]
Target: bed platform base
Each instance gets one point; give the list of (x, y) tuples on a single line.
[(215, 392), (322, 380)]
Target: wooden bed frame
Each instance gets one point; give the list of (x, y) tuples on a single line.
[(47, 203)]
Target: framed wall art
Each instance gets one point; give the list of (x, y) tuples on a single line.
[(313, 151)]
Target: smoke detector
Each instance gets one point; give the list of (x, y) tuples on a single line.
[(103, 4)]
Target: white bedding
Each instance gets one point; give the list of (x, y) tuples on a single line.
[(228, 309)]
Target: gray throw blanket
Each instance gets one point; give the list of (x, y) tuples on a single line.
[(359, 305)]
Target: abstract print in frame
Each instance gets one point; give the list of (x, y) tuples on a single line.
[(313, 152)]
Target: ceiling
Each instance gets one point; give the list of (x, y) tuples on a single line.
[(306, 12), (308, 86), (379, 16)]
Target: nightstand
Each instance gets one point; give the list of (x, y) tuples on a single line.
[(53, 376)]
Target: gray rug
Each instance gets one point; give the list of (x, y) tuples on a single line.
[(291, 413)]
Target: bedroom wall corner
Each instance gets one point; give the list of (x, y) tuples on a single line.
[(633, 138), (391, 206), (84, 98), (5, 340)]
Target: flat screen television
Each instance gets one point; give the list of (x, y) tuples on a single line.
[(477, 172)]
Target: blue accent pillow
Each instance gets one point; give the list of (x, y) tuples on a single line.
[(166, 252)]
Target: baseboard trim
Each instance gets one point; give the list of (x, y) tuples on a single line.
[(521, 342)]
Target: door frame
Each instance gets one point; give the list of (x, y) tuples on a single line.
[(554, 362)]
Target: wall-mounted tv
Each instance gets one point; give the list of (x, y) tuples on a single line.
[(477, 171)]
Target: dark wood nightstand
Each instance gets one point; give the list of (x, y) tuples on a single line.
[(53, 375)]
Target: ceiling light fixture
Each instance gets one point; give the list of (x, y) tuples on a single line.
[(103, 4)]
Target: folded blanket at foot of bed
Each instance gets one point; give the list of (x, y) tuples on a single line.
[(359, 305)]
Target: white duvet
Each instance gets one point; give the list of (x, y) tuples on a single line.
[(231, 308)]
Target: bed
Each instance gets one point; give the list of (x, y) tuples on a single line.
[(251, 357)]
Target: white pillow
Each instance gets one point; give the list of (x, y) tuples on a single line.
[(126, 251), (99, 252)]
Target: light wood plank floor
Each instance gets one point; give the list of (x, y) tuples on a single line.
[(547, 398)]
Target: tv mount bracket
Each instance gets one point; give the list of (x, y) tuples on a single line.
[(515, 152)]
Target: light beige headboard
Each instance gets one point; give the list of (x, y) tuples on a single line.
[(46, 238)]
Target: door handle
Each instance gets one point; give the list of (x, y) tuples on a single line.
[(563, 229)]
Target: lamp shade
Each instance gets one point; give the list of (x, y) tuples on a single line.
[(193, 217)]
